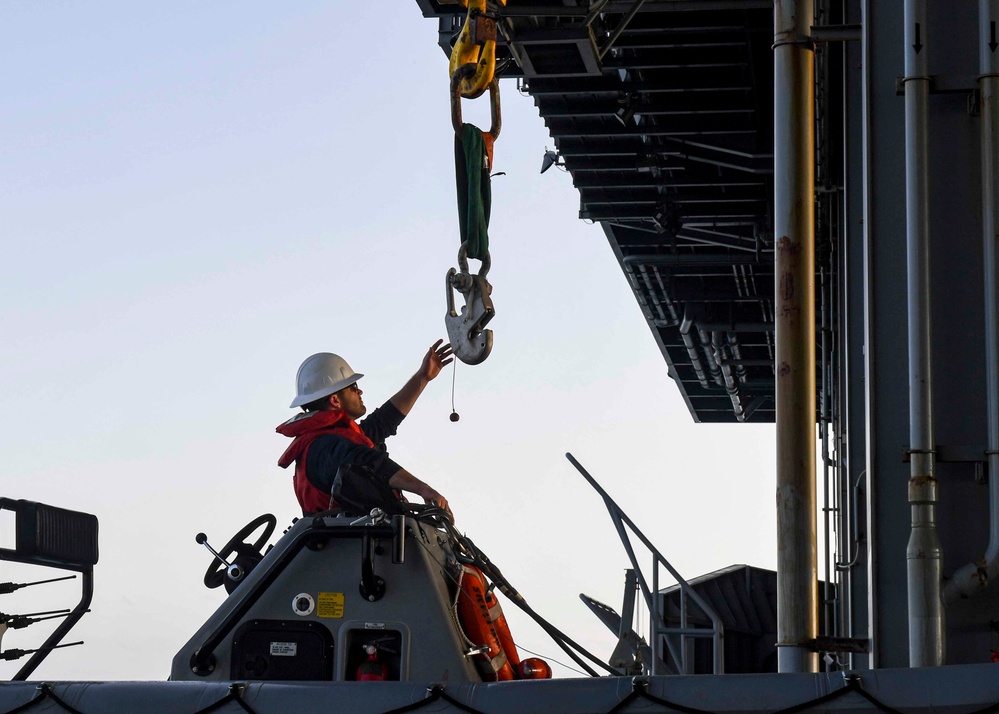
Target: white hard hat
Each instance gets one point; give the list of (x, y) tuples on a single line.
[(321, 375)]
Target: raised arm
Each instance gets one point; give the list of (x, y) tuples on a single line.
[(434, 361)]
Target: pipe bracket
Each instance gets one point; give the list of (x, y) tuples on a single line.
[(805, 42)]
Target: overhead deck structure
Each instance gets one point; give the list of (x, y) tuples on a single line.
[(664, 119), (663, 112)]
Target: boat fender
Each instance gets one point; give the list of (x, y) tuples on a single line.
[(534, 668)]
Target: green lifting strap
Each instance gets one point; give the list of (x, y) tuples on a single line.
[(471, 171)]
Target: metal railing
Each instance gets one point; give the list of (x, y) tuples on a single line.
[(679, 640)]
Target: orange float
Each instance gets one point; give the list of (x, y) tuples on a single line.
[(485, 625)]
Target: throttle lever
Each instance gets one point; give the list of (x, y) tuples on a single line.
[(233, 571), (202, 539)]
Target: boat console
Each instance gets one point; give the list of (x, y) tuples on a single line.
[(336, 599)]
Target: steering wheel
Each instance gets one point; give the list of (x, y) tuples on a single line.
[(215, 576)]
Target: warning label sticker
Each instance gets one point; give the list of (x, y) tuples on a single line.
[(284, 649), (330, 605)]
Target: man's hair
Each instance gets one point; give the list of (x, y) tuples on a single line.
[(318, 405)]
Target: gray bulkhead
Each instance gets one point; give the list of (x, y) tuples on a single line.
[(300, 614)]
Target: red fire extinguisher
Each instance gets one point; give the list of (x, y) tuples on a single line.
[(371, 670)]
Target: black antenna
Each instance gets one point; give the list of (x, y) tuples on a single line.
[(7, 588), (15, 622), (16, 654)]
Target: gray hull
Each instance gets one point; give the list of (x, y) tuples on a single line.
[(939, 689)]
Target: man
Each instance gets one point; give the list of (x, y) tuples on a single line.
[(327, 435)]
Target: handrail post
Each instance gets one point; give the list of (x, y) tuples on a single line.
[(658, 617), (717, 632)]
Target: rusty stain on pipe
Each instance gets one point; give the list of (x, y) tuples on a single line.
[(794, 222)]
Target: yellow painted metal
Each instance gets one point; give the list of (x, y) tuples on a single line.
[(476, 46)]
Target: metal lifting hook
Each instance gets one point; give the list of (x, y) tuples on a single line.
[(470, 341)]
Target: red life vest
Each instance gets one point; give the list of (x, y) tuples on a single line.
[(305, 428)]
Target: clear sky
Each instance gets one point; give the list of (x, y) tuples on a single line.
[(196, 196)]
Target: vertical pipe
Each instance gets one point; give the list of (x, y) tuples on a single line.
[(865, 502), (924, 558), (846, 509), (973, 577), (794, 226), (989, 62), (825, 398)]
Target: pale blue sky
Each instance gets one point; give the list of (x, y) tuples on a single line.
[(196, 196)]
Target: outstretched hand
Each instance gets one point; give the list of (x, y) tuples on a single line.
[(436, 358)]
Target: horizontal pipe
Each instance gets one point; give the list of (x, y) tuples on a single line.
[(836, 33), (623, 5), (692, 259), (736, 326), (718, 342), (692, 352), (713, 369)]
